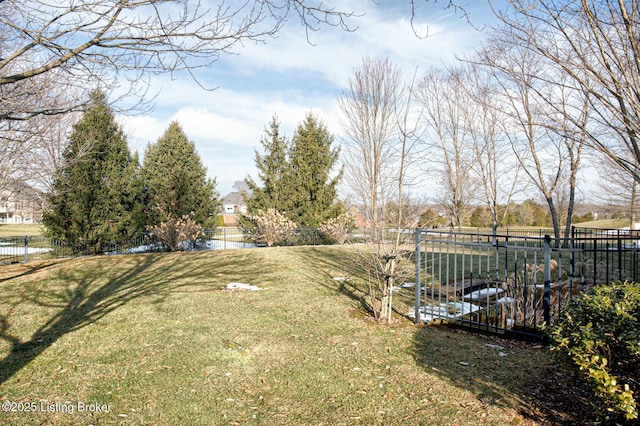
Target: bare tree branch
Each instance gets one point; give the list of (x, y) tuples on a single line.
[(101, 43), (597, 44)]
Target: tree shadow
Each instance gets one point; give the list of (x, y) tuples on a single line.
[(17, 270), (500, 372), (505, 373), (344, 272), (339, 271), (95, 287)]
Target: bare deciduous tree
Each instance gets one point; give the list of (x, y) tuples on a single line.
[(32, 148), (45, 157), (452, 158), (527, 94), (552, 115), (596, 44), (497, 173), (381, 134), (98, 42), (368, 120), (619, 190), (571, 128)]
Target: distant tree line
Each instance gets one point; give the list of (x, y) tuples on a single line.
[(526, 213)]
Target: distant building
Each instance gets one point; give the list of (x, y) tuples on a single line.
[(360, 220), (233, 205), (21, 204)]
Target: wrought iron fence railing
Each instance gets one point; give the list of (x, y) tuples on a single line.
[(514, 284), (24, 249)]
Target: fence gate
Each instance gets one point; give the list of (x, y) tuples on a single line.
[(503, 284)]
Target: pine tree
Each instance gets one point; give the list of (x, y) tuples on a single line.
[(312, 160), (176, 182), (94, 194), (273, 172)]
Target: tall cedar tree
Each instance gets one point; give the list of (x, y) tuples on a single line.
[(176, 182), (95, 201), (312, 159), (273, 172)]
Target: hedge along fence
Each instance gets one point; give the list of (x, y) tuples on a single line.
[(513, 284)]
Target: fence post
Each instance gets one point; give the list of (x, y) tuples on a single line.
[(26, 248), (546, 301), (417, 286)]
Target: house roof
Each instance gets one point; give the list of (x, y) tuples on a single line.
[(18, 190), (234, 198)]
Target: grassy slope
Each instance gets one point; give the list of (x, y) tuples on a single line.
[(10, 230), (605, 224), (155, 338)]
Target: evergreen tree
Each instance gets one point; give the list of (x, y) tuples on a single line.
[(273, 172), (314, 190), (176, 182), (94, 197)]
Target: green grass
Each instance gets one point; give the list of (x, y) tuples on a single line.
[(604, 224), (154, 338), (11, 230)]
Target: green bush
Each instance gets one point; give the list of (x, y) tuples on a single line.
[(599, 338)]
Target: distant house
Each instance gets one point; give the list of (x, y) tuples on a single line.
[(360, 220), (21, 204), (233, 205)]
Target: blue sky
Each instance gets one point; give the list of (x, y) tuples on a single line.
[(290, 77)]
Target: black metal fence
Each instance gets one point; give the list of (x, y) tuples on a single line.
[(514, 284), (606, 255), (24, 249)]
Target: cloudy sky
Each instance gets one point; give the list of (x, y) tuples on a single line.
[(288, 76)]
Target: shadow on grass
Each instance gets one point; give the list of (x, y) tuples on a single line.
[(343, 270), (85, 290), (18, 270), (511, 374), (507, 373), (339, 269)]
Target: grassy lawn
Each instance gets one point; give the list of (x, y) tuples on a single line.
[(604, 224), (154, 340), (11, 230)]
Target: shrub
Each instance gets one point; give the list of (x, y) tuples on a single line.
[(338, 228), (271, 227), (599, 338), (177, 232)]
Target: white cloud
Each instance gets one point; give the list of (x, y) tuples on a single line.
[(336, 53), (290, 77), (225, 125)]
